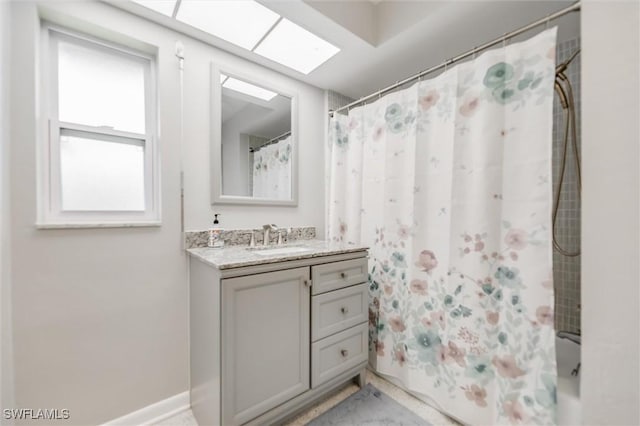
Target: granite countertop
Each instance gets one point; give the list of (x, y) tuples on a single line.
[(239, 256)]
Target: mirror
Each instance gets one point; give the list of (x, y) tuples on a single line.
[(254, 142)]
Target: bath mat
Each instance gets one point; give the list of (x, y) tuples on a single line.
[(369, 406)]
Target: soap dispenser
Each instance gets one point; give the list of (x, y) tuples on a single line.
[(215, 234)]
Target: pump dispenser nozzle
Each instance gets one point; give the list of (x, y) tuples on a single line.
[(215, 234)]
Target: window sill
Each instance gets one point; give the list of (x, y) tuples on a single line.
[(98, 225)]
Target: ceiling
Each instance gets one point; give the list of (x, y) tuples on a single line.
[(384, 41), (266, 119)]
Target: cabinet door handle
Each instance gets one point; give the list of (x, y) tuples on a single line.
[(307, 283), (344, 353), (343, 275), (344, 310)]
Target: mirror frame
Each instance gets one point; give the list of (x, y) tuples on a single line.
[(216, 141)]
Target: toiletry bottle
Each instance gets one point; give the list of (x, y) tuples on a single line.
[(215, 234)]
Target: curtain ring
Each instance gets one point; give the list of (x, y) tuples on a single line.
[(474, 52), (546, 23), (504, 40)]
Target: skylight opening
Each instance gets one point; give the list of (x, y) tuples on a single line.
[(246, 88), (165, 7), (252, 26), (242, 23), (291, 45)]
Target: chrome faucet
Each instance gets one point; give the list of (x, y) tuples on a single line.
[(286, 232), (267, 229)]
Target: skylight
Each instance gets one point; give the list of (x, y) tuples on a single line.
[(250, 25), (293, 46), (163, 6), (246, 88), (242, 23)]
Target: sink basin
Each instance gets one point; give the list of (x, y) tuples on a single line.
[(279, 250)]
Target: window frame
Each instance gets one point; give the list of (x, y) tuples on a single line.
[(50, 212)]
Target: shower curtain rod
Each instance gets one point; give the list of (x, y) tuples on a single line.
[(270, 141), (573, 8)]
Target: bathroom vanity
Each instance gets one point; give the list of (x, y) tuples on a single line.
[(272, 330)]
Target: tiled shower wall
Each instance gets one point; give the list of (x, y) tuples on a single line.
[(336, 100), (566, 270)]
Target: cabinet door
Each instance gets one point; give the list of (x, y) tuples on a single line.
[(265, 342)]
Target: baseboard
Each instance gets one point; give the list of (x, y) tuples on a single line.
[(154, 413)]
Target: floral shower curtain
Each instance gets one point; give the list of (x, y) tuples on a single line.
[(449, 184), (272, 171)]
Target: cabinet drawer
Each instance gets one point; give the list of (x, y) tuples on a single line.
[(332, 276), (338, 353), (338, 310)]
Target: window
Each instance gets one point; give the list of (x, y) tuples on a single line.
[(99, 157)]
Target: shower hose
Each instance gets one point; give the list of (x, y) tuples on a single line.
[(565, 93)]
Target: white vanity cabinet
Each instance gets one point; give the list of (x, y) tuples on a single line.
[(269, 338)]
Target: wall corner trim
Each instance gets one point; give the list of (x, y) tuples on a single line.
[(154, 413)]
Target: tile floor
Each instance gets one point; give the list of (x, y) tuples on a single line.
[(423, 410)]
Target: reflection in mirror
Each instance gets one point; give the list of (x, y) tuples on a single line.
[(256, 141)]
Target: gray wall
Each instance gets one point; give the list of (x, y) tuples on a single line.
[(100, 315), (198, 209), (609, 386), (6, 343), (566, 270), (235, 159)]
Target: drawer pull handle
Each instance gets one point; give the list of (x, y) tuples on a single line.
[(343, 275), (344, 310), (344, 353)]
